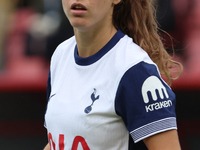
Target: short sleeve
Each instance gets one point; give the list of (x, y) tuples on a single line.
[(48, 92), (145, 102), (48, 86)]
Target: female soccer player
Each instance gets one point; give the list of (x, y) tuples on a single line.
[(105, 91)]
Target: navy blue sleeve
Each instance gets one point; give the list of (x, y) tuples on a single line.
[(48, 86), (48, 91), (145, 102)]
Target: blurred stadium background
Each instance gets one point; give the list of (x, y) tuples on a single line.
[(30, 30)]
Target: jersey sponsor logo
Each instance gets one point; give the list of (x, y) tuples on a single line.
[(76, 141), (93, 97), (151, 85), (158, 105)]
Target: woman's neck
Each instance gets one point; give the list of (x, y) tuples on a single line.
[(90, 42)]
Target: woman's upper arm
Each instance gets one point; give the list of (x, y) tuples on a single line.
[(167, 140), (47, 147)]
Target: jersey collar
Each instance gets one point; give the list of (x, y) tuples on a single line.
[(92, 59)]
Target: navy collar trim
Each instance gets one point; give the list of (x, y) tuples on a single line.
[(92, 59)]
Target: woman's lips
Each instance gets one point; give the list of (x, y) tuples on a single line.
[(78, 9)]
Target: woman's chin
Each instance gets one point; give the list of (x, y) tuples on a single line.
[(76, 23), (80, 27)]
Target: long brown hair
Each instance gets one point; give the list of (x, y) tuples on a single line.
[(136, 19)]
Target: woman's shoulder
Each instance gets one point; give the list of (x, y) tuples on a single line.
[(65, 47), (66, 44), (130, 53)]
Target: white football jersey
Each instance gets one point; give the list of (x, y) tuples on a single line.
[(109, 101)]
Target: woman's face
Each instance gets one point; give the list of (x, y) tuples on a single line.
[(88, 14)]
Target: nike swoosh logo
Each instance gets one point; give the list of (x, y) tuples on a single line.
[(52, 96)]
